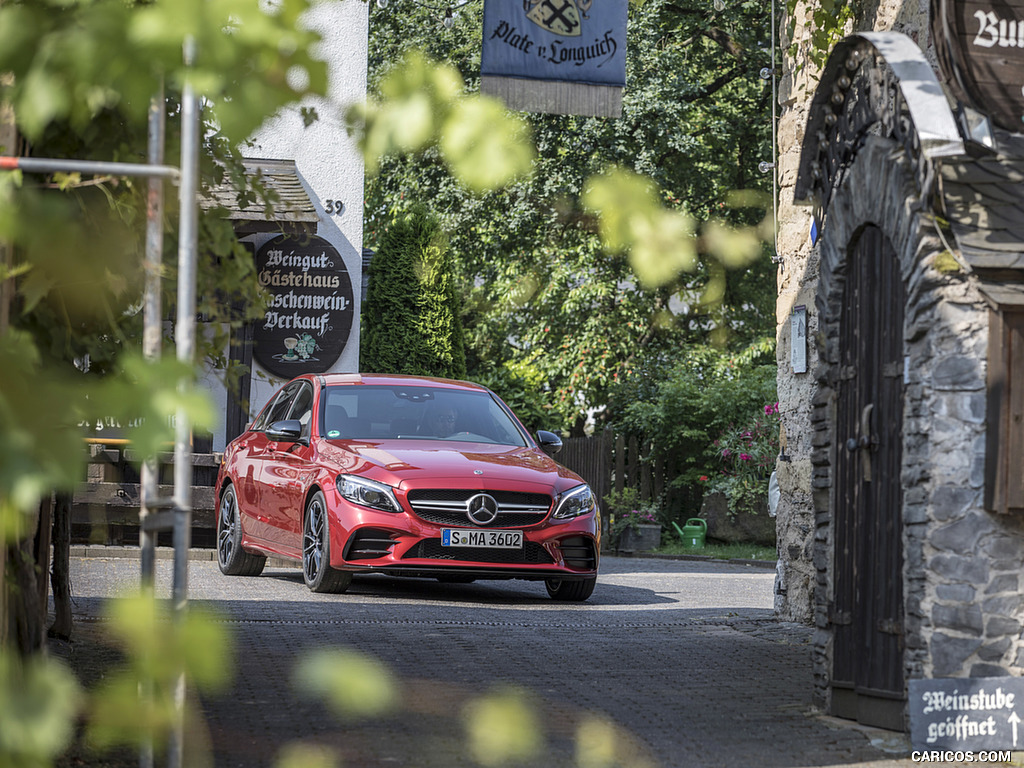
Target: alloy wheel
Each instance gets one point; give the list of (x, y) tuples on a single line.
[(226, 529)]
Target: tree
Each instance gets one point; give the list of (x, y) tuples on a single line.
[(551, 316), (410, 319), (76, 243)]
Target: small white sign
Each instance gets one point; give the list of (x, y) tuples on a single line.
[(798, 339)]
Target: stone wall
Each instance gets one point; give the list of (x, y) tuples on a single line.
[(963, 609), (798, 285)]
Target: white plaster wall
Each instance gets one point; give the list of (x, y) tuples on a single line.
[(328, 163)]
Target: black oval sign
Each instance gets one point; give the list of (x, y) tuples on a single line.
[(980, 47), (307, 323)]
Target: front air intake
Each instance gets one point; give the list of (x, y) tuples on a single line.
[(578, 553), (368, 544)]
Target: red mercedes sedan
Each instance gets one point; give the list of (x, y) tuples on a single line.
[(409, 476)]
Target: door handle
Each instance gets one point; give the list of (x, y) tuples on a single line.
[(866, 439)]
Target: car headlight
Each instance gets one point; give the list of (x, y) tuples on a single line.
[(368, 493), (575, 502)]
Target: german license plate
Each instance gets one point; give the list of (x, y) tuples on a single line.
[(458, 537)]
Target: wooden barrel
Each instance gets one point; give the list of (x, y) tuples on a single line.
[(980, 47)]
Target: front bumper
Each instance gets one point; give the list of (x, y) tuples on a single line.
[(404, 544)]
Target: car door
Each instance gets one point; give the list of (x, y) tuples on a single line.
[(249, 465), (285, 475)]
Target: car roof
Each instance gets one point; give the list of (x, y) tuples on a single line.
[(335, 379)]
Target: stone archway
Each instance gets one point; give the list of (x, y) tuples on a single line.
[(871, 174)]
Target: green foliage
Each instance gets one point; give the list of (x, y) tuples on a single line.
[(158, 650), (824, 23), (411, 322), (661, 239), (628, 511), (303, 755), (78, 243), (690, 403), (423, 104), (747, 453), (251, 59), (352, 683), (502, 727), (44, 414), (632, 520), (575, 275), (40, 699)]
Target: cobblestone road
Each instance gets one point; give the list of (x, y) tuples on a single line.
[(683, 657)]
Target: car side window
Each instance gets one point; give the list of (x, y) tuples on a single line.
[(279, 408), (302, 407)]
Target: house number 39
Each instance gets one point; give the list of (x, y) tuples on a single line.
[(334, 207)]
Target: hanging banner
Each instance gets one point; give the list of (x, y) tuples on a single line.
[(562, 56)]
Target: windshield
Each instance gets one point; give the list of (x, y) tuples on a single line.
[(371, 412)]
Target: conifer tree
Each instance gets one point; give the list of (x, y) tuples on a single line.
[(410, 319)]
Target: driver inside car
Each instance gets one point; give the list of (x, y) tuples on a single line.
[(440, 421)]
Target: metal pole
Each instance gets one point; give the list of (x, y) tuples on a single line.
[(185, 341), (151, 336), (152, 317), (48, 165)]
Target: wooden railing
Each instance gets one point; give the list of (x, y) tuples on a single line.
[(106, 505)]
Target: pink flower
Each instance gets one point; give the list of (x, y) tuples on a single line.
[(744, 457)]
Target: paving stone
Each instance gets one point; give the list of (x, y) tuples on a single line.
[(682, 660)]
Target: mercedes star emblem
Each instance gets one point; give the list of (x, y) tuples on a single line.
[(482, 509)]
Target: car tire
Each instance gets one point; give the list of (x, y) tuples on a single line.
[(576, 590), (316, 550), (232, 559)]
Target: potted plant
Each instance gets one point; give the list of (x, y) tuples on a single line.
[(636, 530)]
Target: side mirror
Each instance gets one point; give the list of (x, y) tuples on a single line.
[(549, 441), (285, 431)]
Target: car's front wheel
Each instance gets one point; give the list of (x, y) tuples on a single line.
[(576, 590), (316, 550), (232, 559)]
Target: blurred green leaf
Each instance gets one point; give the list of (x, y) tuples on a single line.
[(734, 247), (600, 743), (40, 700), (659, 241), (503, 727), (301, 755), (353, 684), (423, 103), (158, 650), (485, 147)]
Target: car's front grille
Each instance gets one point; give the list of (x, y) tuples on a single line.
[(368, 544), (448, 507), (578, 553), (431, 549)]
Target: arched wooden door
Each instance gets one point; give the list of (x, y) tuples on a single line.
[(867, 607)]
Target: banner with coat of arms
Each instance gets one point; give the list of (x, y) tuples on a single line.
[(561, 56)]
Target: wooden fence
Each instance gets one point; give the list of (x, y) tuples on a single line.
[(610, 463)]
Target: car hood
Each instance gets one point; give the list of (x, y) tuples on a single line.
[(428, 463)]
